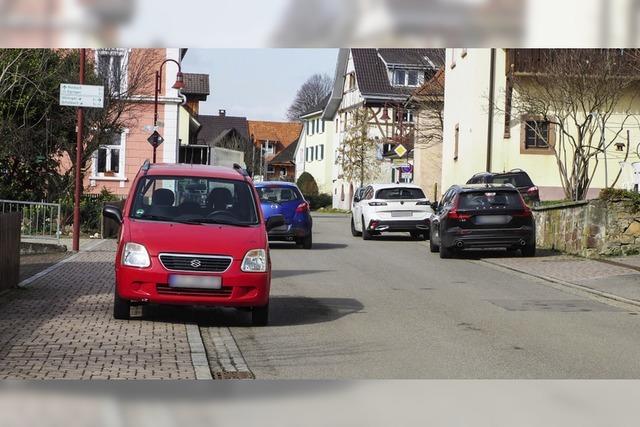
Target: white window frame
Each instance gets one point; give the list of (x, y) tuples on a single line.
[(121, 175), (283, 172), (124, 58), (406, 71)]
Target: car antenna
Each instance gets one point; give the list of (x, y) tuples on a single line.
[(240, 170)]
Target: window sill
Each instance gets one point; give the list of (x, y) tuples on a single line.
[(108, 178)]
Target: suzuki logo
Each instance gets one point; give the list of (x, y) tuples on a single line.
[(196, 263), (274, 206)]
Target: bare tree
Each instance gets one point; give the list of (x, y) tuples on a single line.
[(577, 103), (357, 153), (311, 93)]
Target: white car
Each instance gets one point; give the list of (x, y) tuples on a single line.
[(391, 208)]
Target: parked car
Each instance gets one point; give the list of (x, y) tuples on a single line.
[(516, 177), (285, 198), (175, 250), (482, 216), (391, 208)]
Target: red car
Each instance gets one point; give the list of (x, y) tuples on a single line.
[(178, 247)]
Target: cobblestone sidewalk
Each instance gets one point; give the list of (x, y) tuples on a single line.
[(61, 326), (621, 279)]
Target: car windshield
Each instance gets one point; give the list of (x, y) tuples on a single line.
[(398, 193), (490, 200), (278, 194), (515, 179), (194, 200)]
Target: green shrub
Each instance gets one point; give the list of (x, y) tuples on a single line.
[(307, 184), (319, 201), (615, 194)]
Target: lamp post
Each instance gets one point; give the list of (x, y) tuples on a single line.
[(179, 84)]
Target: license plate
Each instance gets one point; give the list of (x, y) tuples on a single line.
[(396, 214), (492, 219), (198, 282)]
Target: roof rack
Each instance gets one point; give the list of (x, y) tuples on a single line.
[(240, 169)]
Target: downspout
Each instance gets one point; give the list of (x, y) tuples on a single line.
[(492, 74)]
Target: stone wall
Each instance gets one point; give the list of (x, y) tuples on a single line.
[(592, 229)]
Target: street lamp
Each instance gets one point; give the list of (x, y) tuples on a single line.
[(179, 84)]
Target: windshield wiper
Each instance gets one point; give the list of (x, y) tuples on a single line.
[(166, 218), (222, 222)]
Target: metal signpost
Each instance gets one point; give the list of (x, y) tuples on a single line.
[(80, 96)]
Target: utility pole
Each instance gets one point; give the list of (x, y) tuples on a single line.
[(79, 146)]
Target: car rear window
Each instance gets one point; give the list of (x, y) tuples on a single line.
[(489, 200), (400, 193), (515, 179), (278, 194)]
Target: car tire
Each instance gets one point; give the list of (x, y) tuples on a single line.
[(121, 307), (307, 242), (260, 316), (446, 253), (433, 247), (354, 232), (528, 251), (366, 234)]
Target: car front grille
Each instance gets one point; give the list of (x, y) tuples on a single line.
[(167, 290), (195, 263)]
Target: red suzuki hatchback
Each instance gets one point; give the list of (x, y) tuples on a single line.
[(193, 235)]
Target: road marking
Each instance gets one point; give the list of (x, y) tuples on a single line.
[(49, 269), (559, 284), (198, 354)]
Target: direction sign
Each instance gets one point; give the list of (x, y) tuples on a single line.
[(81, 95), (155, 139), (400, 150)]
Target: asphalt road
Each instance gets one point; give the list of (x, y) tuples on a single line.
[(387, 308)]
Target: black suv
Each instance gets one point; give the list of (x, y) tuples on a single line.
[(482, 216), (516, 177)]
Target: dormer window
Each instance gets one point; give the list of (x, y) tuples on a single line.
[(401, 77)]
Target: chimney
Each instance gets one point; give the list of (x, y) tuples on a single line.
[(222, 113)]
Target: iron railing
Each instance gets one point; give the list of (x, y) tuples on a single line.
[(39, 219)]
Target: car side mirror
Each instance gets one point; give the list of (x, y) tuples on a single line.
[(435, 206), (112, 212), (274, 222), (356, 199)]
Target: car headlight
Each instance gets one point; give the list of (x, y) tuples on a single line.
[(255, 261), (135, 255)]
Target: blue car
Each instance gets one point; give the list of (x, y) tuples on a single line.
[(285, 198)]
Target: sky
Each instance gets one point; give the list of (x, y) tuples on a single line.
[(259, 84)]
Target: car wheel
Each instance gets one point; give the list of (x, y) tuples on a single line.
[(445, 252), (366, 234), (121, 307), (260, 316), (307, 242), (529, 250), (354, 232), (433, 247)]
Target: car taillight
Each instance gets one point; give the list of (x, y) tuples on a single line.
[(377, 203), (303, 207), (532, 190), (454, 214)]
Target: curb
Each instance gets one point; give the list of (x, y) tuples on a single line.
[(570, 285), (199, 358)]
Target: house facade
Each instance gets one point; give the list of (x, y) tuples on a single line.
[(478, 136), (315, 150), (224, 140), (378, 81), (271, 139), (114, 165)]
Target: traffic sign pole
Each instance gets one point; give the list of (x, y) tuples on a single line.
[(79, 144)]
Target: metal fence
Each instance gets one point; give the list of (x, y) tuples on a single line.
[(39, 220)]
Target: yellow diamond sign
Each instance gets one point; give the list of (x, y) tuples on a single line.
[(400, 150)]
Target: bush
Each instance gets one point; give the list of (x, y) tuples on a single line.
[(90, 210), (614, 194), (319, 201), (307, 184)]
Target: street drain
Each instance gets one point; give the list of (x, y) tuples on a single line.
[(232, 375), (555, 306)]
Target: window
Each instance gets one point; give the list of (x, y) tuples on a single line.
[(351, 81), (110, 66), (322, 125), (194, 198), (399, 193), (402, 77), (107, 157), (278, 193), (412, 78), (283, 172), (306, 155), (311, 151), (407, 116), (399, 77), (308, 127), (269, 147), (270, 169), (536, 134), (456, 142)]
